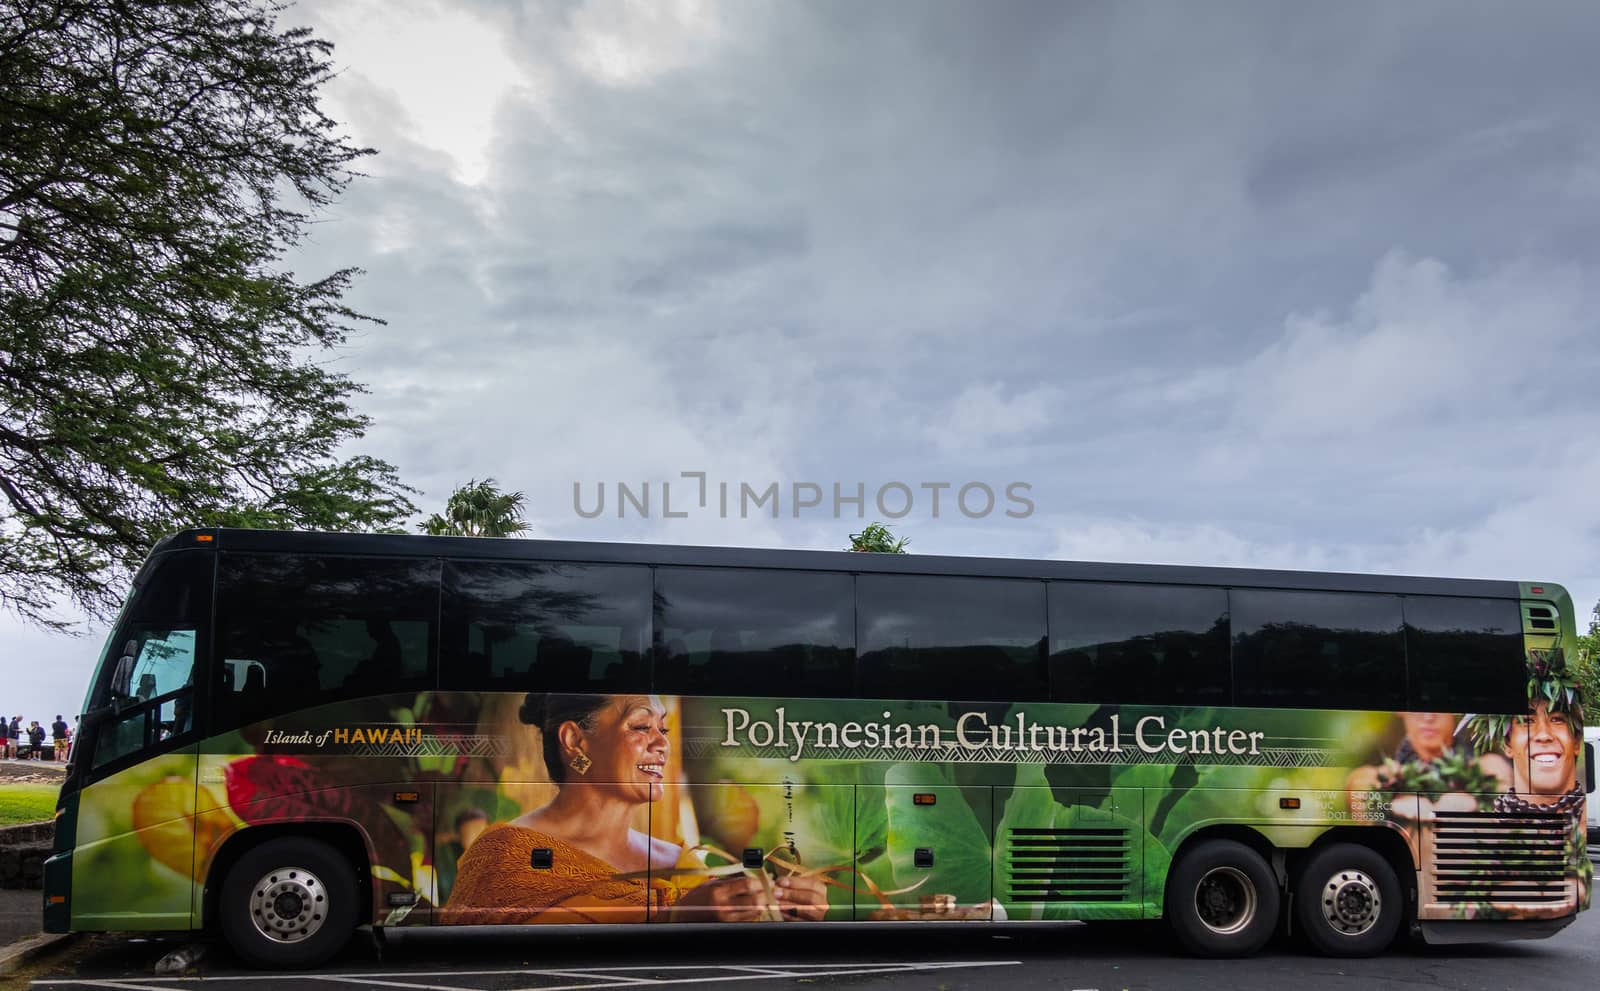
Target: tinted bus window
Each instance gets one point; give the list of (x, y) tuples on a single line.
[(1464, 655), (1150, 644), (738, 632), (950, 638), (1317, 650), (178, 592), (546, 627), (299, 631)]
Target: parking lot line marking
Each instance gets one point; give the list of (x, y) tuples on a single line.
[(816, 970), (595, 976), (375, 982), (121, 985), (764, 970), (611, 977)]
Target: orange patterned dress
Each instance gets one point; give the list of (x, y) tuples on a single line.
[(497, 885)]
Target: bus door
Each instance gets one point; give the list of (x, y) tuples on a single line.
[(135, 826)]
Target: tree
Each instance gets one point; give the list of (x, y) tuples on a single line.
[(157, 162), (478, 509), (1587, 669), (876, 539)]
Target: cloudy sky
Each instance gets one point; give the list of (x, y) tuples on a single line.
[(1238, 284)]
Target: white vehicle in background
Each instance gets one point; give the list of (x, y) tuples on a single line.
[(1591, 740)]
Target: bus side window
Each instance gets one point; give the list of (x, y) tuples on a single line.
[(737, 631), (1464, 655), (528, 626), (951, 638), (1143, 644), (1318, 650), (302, 630)]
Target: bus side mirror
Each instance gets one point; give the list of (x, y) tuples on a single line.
[(1588, 767), (122, 676)]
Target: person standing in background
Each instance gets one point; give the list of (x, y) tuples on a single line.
[(58, 733), (36, 740), (5, 739), (16, 735)]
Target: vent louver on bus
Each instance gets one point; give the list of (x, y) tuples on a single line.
[(1070, 865), (1537, 617), (1494, 857)]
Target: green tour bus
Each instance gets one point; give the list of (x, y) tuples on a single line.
[(292, 735)]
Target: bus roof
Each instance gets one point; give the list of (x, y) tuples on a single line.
[(605, 552)]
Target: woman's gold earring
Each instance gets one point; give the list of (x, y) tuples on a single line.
[(581, 763)]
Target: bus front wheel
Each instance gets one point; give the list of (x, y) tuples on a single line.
[(1222, 900), (1348, 901), (288, 904)]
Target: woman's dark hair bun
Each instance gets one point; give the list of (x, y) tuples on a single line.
[(534, 709)]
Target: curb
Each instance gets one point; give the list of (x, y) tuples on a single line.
[(14, 956)]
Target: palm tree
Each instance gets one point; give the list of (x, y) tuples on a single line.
[(478, 509), (876, 539)]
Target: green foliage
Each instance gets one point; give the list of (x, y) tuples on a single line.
[(158, 364), (1586, 666), (876, 539), (478, 509), (954, 828), (27, 803), (1451, 772), (1551, 681)]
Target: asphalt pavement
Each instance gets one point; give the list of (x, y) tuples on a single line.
[(1103, 956), (947, 956)]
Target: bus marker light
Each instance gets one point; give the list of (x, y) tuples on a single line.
[(58, 899), (399, 898), (924, 798), (754, 857), (923, 857), (544, 858), (1288, 803), (406, 797), (204, 538), (1537, 590)]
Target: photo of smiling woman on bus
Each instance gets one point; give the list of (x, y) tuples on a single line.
[(607, 755)]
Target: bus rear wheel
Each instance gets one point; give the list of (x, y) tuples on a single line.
[(1348, 901), (288, 904), (1222, 900)]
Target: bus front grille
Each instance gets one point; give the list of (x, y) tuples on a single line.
[(1069, 865), (1500, 857)]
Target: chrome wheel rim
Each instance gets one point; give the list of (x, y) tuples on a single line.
[(1225, 900), (1351, 903), (288, 905)]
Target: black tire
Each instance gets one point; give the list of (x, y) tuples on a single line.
[(1222, 900), (301, 891), (1348, 901)]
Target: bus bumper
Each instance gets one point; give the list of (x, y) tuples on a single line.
[(58, 893), (1442, 932)]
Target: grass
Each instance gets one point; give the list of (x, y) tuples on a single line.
[(27, 803)]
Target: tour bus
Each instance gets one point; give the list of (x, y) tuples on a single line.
[(292, 735)]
